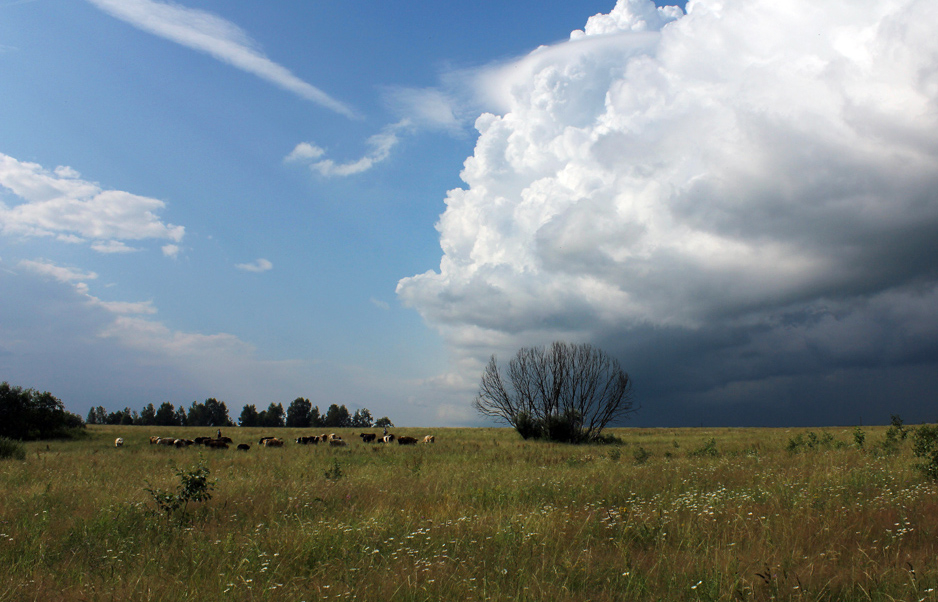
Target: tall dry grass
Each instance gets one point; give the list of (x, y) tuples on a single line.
[(670, 514)]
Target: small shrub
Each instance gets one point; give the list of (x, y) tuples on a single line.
[(607, 439), (890, 443), (194, 486), (859, 437), (708, 449), (900, 432), (11, 450), (795, 444), (813, 440), (563, 428), (925, 445), (641, 455), (334, 473), (526, 426)]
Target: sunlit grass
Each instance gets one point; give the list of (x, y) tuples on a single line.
[(479, 515)]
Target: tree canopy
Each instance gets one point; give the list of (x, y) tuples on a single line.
[(29, 414)]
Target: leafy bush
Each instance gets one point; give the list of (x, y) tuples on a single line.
[(810, 440), (859, 437), (707, 449), (564, 428), (194, 486), (641, 455), (334, 473), (10, 449), (526, 426), (795, 444), (895, 435), (925, 445)]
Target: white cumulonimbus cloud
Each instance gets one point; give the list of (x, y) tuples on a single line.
[(218, 37), (61, 204), (766, 168)]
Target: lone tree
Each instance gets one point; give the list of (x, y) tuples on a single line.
[(563, 392)]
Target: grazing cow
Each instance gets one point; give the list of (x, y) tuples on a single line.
[(262, 439), (387, 439), (166, 441), (367, 437), (215, 444), (119, 442), (244, 446), (429, 439), (406, 440), (225, 439), (183, 442), (201, 440), (154, 439), (310, 440), (273, 442), (337, 442)]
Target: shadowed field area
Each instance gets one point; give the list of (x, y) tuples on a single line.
[(667, 514)]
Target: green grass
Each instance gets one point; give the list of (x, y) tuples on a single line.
[(479, 515)]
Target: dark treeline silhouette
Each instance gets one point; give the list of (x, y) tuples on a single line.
[(303, 414), (29, 414), (211, 412), (300, 414)]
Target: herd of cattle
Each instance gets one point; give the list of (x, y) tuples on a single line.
[(332, 439)]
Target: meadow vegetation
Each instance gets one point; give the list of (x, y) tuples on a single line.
[(664, 514)]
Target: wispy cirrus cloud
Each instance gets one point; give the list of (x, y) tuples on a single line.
[(256, 266), (218, 37)]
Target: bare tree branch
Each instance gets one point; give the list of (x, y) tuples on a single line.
[(578, 385)]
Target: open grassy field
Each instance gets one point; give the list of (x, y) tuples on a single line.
[(670, 514)]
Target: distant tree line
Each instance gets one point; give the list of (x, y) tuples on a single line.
[(300, 414), (28, 414), (303, 414), (211, 412)]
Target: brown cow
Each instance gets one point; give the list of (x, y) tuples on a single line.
[(166, 441), (406, 440), (273, 442), (154, 439), (337, 442), (119, 442), (429, 439)]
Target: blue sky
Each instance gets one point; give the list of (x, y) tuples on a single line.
[(359, 203)]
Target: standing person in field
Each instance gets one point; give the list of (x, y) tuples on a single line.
[(218, 435)]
